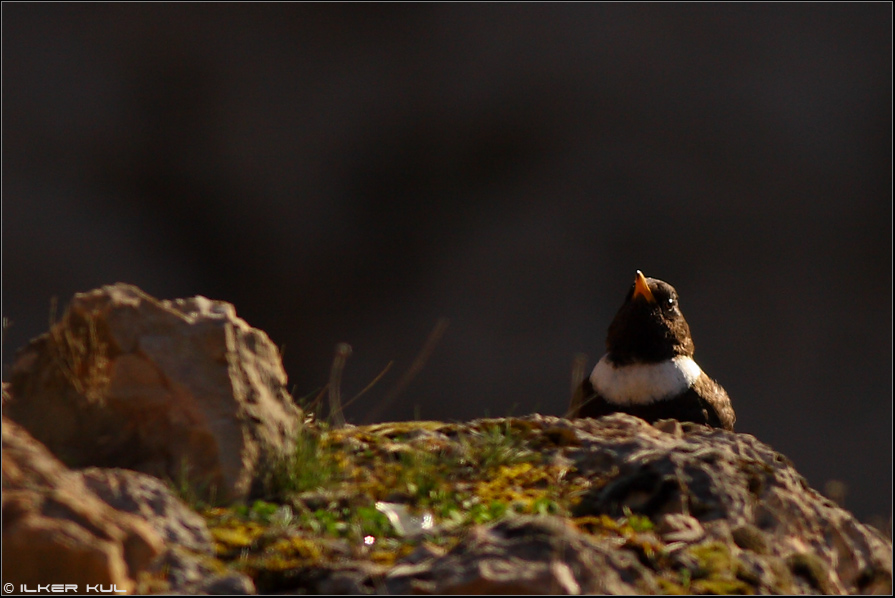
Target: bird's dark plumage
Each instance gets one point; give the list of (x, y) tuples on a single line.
[(648, 370)]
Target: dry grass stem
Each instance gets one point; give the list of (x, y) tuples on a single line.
[(414, 369), (337, 418)]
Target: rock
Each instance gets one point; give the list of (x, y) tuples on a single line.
[(349, 579), (746, 496), (528, 555), (670, 509), (181, 571), (410, 578), (230, 584), (106, 526), (183, 390), (151, 500), (679, 527), (55, 530), (186, 566), (341, 575)]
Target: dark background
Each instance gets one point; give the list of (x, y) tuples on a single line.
[(356, 172)]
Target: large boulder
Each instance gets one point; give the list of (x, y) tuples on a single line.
[(55, 530), (183, 390)]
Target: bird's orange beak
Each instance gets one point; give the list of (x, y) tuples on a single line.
[(642, 289)]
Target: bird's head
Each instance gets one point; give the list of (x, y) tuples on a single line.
[(649, 327)]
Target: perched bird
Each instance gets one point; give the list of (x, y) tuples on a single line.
[(648, 370)]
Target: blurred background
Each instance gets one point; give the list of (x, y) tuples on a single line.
[(362, 172)]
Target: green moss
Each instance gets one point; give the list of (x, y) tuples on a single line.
[(672, 588), (299, 548), (234, 534), (749, 537), (720, 586), (598, 525), (717, 571), (713, 558), (638, 523), (810, 568)]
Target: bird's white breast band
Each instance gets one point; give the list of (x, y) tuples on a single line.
[(643, 383)]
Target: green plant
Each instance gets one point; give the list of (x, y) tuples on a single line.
[(259, 511), (312, 465), (197, 494), (496, 445), (639, 523), (419, 475)]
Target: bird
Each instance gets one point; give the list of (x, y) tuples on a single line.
[(648, 370)]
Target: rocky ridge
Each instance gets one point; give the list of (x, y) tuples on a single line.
[(125, 386)]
